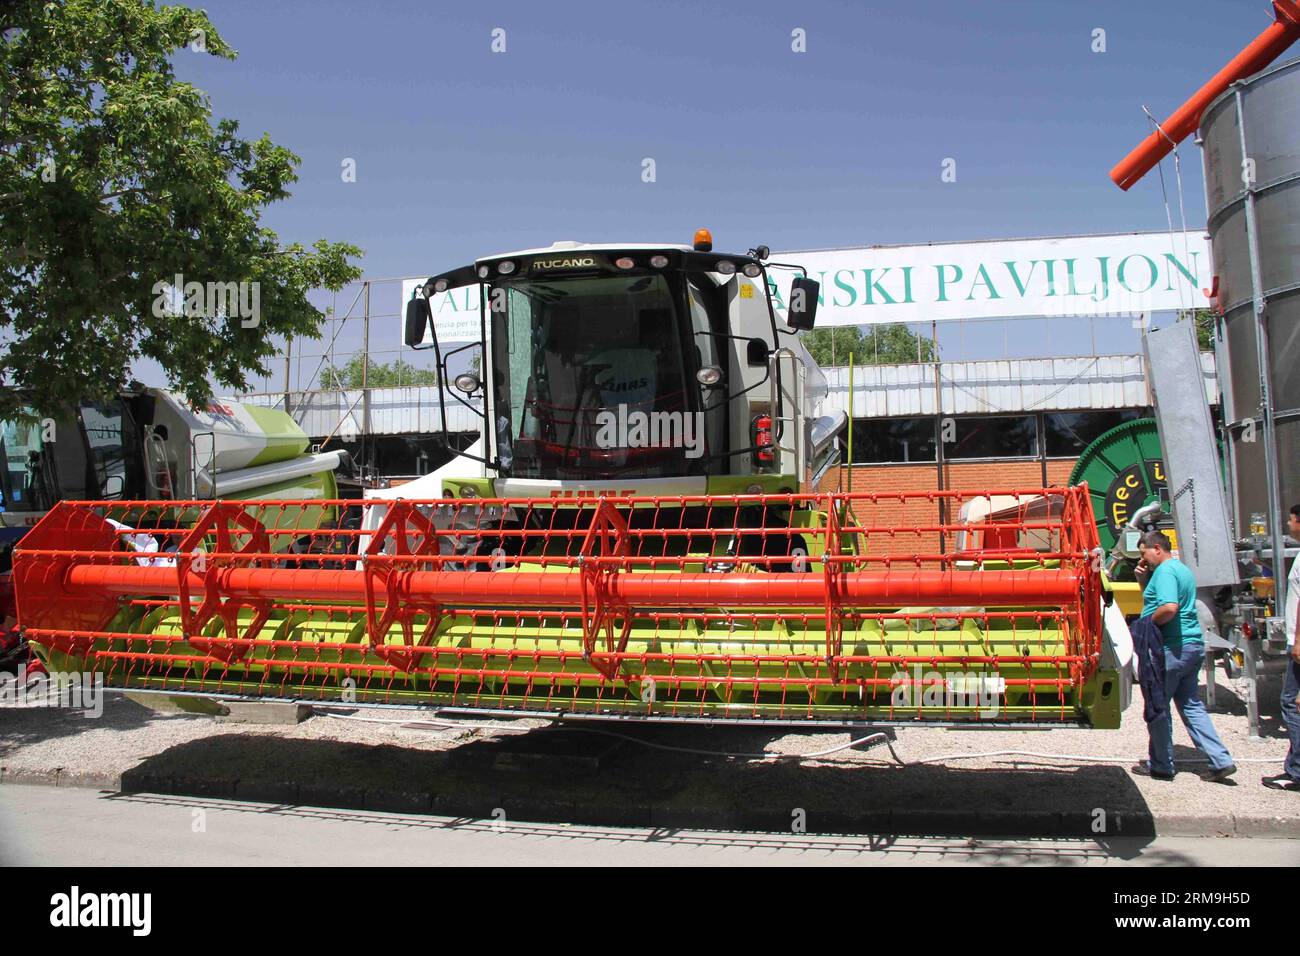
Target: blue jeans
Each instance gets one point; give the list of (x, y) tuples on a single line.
[(1290, 717), (1182, 673)]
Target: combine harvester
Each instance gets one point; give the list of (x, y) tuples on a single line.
[(634, 535), (146, 444)]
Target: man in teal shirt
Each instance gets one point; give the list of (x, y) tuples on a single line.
[(1169, 597), (1169, 600)]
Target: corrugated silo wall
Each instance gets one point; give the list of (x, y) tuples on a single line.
[(1252, 157)]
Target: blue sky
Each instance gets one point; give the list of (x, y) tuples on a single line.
[(462, 152)]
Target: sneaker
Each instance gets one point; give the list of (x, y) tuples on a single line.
[(1222, 774), (1143, 769), (1282, 782)]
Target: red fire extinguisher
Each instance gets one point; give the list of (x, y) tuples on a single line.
[(762, 429)]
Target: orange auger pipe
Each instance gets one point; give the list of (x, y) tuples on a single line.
[(867, 588), (1262, 51)]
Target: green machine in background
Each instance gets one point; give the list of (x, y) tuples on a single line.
[(1125, 472)]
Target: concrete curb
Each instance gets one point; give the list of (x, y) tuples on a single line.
[(971, 823), (59, 777)]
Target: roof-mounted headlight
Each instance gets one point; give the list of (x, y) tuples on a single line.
[(624, 262), (726, 267), (505, 268), (483, 272), (752, 269), (658, 262)]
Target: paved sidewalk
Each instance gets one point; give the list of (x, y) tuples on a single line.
[(80, 827), (573, 776)]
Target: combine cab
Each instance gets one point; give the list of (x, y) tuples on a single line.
[(572, 566)]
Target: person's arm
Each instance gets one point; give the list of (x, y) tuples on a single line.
[(1165, 590), (1292, 605), (1164, 612)]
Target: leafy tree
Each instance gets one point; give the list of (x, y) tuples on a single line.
[(1204, 320), (114, 180), (378, 374), (893, 344)]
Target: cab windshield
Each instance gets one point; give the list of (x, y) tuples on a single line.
[(595, 378)]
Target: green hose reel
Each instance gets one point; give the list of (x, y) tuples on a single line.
[(1125, 470)]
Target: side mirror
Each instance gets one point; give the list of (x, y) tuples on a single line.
[(418, 317), (757, 353), (802, 312)]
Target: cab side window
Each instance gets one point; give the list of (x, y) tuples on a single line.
[(106, 439)]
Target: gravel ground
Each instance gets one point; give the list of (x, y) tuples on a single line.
[(587, 769)]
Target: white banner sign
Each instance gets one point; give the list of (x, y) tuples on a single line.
[(455, 313), (1069, 276), (1128, 274)]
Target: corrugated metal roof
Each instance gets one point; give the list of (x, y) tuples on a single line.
[(964, 388), (1009, 385), (393, 411)]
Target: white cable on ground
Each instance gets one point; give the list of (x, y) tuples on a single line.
[(426, 720), (1075, 757), (767, 755)]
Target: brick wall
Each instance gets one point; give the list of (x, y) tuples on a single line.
[(958, 476)]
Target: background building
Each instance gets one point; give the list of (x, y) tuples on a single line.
[(976, 425)]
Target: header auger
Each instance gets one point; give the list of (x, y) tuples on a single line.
[(789, 608)]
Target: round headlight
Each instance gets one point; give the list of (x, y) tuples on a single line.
[(469, 491), (658, 262), (754, 490), (726, 267), (467, 382), (752, 269), (624, 262), (483, 272), (440, 285), (505, 268), (709, 376)]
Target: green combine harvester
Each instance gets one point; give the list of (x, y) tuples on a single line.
[(632, 536)]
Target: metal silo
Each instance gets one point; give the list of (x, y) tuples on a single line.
[(1252, 179)]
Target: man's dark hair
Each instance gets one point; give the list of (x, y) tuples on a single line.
[(1157, 539), (1295, 511)]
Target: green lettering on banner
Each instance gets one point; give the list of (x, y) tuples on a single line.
[(1103, 263), (1190, 276), (1051, 276), (982, 279), (1069, 280), (840, 283), (1155, 273), (775, 292), (943, 283), (874, 286), (1015, 275), (821, 288), (450, 299)]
